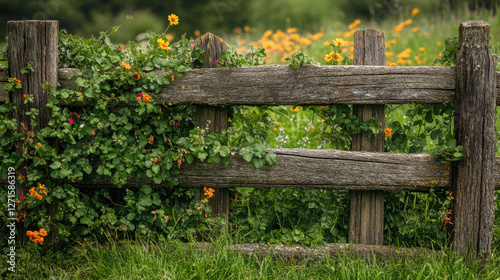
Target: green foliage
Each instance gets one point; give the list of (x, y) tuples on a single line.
[(298, 59), (231, 58), (449, 57)]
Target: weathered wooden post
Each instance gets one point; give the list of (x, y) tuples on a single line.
[(475, 110), (34, 43), (213, 117), (366, 224)]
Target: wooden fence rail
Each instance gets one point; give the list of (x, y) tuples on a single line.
[(474, 87)]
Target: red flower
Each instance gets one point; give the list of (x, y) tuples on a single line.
[(70, 121)]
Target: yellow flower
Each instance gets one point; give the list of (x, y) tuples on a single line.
[(338, 42), (389, 53), (422, 49), (173, 19), (291, 30), (391, 64), (163, 45), (277, 123), (42, 187), (338, 57), (136, 76), (275, 129), (126, 65), (388, 132), (415, 12), (205, 200), (329, 57)]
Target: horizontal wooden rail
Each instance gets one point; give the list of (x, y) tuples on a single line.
[(315, 169), (309, 85)]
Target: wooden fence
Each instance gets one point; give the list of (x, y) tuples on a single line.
[(472, 86)]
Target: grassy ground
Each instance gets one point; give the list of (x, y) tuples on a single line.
[(171, 260)]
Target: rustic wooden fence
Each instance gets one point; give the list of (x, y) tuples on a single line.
[(472, 86)]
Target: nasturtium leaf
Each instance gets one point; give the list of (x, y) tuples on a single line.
[(55, 165)]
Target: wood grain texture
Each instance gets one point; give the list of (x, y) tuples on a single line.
[(213, 119), (473, 179), (312, 169), (34, 42), (366, 224), (309, 85), (335, 250)]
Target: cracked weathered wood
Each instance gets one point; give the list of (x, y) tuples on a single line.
[(473, 177), (213, 119), (334, 250), (309, 85), (366, 223), (31, 42)]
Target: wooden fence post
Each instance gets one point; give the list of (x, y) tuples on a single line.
[(366, 224), (213, 117), (475, 110), (31, 42)]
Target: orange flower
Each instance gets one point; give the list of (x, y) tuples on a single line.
[(146, 97), (26, 95), (43, 232), (415, 12), (312, 127), (354, 24), (151, 139), (39, 145), (197, 33), (38, 196), (388, 132), (399, 27), (155, 160), (42, 187), (126, 65), (205, 200), (415, 29), (32, 190), (17, 80), (136, 76), (407, 22)]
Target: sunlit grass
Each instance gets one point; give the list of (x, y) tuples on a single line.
[(140, 259)]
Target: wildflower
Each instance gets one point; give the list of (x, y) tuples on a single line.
[(391, 64), (407, 22), (17, 80), (275, 129), (151, 139), (39, 145), (32, 190), (139, 96), (163, 45), (120, 47), (388, 132), (415, 29), (21, 197), (197, 33), (155, 160), (237, 30), (146, 97), (43, 232), (329, 57), (180, 162), (399, 27), (312, 127), (173, 19), (338, 57), (70, 121), (422, 49), (126, 65), (277, 123), (415, 12), (136, 76), (26, 95), (42, 187), (216, 62), (246, 28), (389, 53), (93, 132), (267, 34), (338, 42), (354, 24), (38, 196), (205, 200)]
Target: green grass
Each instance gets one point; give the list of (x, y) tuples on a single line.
[(128, 259)]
